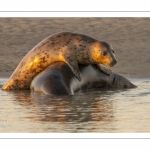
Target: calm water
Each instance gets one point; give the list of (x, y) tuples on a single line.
[(94, 111)]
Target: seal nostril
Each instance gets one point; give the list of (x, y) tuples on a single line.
[(115, 61), (125, 86)]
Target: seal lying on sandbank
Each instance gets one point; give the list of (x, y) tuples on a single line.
[(58, 79), (71, 48)]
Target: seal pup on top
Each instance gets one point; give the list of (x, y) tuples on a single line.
[(71, 48)]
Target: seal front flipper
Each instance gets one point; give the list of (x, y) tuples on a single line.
[(104, 69), (73, 64)]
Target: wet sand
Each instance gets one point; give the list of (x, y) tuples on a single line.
[(129, 37)]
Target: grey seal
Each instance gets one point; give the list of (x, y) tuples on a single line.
[(71, 48), (58, 79)]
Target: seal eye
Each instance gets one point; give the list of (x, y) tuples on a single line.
[(105, 53), (113, 51)]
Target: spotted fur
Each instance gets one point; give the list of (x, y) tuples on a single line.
[(71, 48)]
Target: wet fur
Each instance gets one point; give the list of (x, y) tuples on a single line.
[(67, 47), (58, 79)]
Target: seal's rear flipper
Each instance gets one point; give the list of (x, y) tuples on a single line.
[(104, 69)]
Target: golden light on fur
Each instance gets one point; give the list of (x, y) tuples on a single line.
[(71, 48)]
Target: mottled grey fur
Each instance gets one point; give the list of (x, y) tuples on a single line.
[(58, 79), (71, 48)]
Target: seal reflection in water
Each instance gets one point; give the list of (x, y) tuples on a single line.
[(58, 79), (71, 48)]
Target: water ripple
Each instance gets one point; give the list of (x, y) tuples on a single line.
[(92, 111)]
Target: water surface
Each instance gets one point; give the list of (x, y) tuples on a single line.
[(92, 111)]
